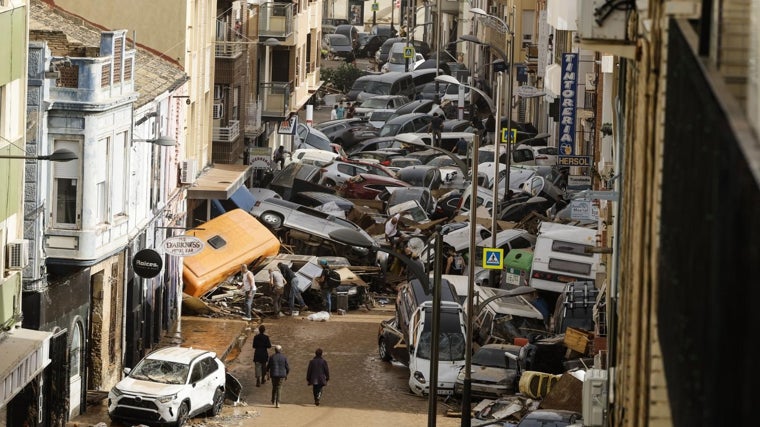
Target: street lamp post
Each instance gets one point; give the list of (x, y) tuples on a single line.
[(507, 29)]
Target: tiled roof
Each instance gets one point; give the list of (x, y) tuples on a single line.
[(153, 74)]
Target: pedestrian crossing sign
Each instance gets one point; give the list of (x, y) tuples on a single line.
[(493, 258)]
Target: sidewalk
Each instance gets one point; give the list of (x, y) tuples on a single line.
[(222, 337)]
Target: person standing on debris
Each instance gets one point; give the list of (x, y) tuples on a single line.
[(279, 156), (278, 370), (277, 281), (415, 258), (435, 128), (249, 290), (317, 375), (455, 263), (294, 294), (491, 129), (391, 229), (261, 346)]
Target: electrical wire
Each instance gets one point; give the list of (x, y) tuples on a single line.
[(603, 12)]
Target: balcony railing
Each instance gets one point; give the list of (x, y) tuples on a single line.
[(275, 98), (275, 20), (226, 49), (226, 134)]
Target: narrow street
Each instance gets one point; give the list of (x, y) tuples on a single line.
[(363, 390)]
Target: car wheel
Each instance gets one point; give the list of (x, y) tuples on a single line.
[(272, 220), (329, 183), (338, 141), (182, 415), (382, 349), (216, 406)]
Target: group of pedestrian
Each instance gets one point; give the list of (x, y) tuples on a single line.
[(341, 112), (282, 281), (277, 368)]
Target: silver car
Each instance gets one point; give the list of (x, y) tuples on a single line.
[(277, 213), (493, 374)]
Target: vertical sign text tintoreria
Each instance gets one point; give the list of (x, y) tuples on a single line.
[(568, 98)]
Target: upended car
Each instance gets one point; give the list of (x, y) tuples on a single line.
[(168, 387)]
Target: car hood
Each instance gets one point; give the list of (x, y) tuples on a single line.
[(147, 388), (490, 373)]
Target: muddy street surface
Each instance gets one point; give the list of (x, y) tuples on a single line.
[(363, 390)]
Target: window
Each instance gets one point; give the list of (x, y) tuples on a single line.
[(569, 266), (101, 210), (118, 182), (235, 104), (571, 248), (66, 187)]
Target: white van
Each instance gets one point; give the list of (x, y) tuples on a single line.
[(396, 60), (561, 256)]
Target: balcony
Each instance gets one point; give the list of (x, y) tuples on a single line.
[(276, 20), (226, 49), (275, 98), (226, 134)]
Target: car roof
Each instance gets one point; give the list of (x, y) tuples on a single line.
[(183, 355), (386, 179), (414, 105), (404, 117)]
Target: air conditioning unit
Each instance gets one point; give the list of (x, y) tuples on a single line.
[(218, 110), (601, 20), (594, 397), (187, 171), (18, 254)]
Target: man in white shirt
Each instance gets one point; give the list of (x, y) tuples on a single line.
[(334, 113), (391, 229), (277, 281), (249, 289)]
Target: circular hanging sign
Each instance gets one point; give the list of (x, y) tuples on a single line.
[(147, 263), (183, 245)]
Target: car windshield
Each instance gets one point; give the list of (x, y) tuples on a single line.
[(380, 115), (160, 371), (451, 342), (359, 85), (492, 357), (389, 130), (338, 40), (378, 88), (375, 103)]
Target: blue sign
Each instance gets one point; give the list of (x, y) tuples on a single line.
[(493, 258), (568, 103)]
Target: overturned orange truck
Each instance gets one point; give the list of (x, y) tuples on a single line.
[(230, 240)]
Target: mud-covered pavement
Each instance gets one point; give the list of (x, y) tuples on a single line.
[(363, 390)]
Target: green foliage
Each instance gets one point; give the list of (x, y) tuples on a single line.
[(342, 77)]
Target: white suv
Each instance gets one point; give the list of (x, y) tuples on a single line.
[(169, 386)]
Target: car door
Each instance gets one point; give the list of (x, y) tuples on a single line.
[(523, 156), (200, 392), (345, 171)]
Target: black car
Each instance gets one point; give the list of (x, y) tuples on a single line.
[(313, 199), (337, 45), (371, 45), (421, 175), (378, 143), (406, 123), (335, 21), (421, 195), (427, 91), (346, 132), (447, 205)]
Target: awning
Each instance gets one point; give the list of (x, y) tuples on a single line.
[(26, 353), (218, 182)]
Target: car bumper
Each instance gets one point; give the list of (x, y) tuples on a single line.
[(488, 391), (137, 410)]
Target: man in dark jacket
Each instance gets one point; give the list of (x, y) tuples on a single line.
[(261, 346), (291, 288), (278, 369), (317, 375)]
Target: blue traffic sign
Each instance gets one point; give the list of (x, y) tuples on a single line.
[(493, 258)]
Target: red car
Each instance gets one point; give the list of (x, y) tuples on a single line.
[(366, 186)]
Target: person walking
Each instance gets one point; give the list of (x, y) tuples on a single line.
[(294, 294), (277, 281), (278, 370), (461, 147), (249, 290), (261, 345), (334, 113), (317, 375)]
